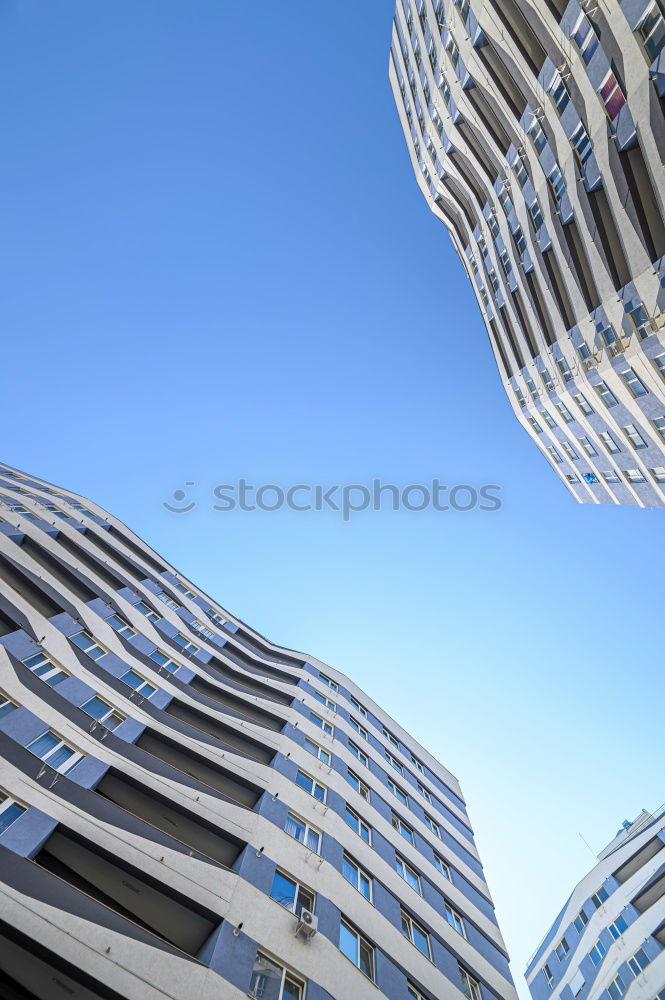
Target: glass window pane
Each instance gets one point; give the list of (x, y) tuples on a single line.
[(283, 890), (96, 708), (43, 744), (9, 815), (292, 989), (266, 979), (60, 757), (366, 961), (348, 943)]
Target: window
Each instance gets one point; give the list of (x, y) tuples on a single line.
[(272, 982), (317, 751), (549, 978), (216, 617), (634, 436), (202, 629), (138, 683), (612, 96), (10, 810), (658, 473), (570, 451), (147, 611), (358, 728), (361, 788), (554, 455), (355, 947), (290, 894), (394, 763), (605, 393), (310, 786), (588, 447), (52, 509), (120, 625), (635, 384), (585, 38), (563, 410), (398, 792), (86, 642), (580, 922), (577, 983), (53, 750), (454, 919), (659, 424), (581, 144), (535, 425), (434, 827), (403, 828), (416, 762), (20, 509), (634, 476), (325, 701), (168, 601), (549, 420), (611, 476), (618, 927), (183, 590), (413, 994), (583, 403), (572, 478), (442, 866), (652, 31), (616, 989), (599, 897), (415, 933), (300, 830), (560, 94), (6, 706), (357, 752), (391, 739), (597, 953), (357, 824), (318, 721), (425, 794), (406, 872), (333, 685), (358, 878), (659, 364), (44, 668), (360, 709), (470, 986), (609, 442), (638, 962), (562, 949), (164, 661), (98, 709), (182, 640)]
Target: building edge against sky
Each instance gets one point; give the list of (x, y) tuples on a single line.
[(187, 809), (609, 939), (536, 132)]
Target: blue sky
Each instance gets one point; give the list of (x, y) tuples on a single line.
[(217, 264)]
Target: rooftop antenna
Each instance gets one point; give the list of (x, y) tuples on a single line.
[(587, 844)]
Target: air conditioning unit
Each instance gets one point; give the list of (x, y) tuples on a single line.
[(308, 924)]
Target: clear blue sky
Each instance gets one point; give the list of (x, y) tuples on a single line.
[(216, 263)]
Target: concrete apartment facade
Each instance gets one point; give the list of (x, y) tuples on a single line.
[(609, 939), (535, 129), (188, 810)]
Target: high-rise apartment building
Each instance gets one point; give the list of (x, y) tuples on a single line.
[(536, 132), (188, 810), (609, 939)]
